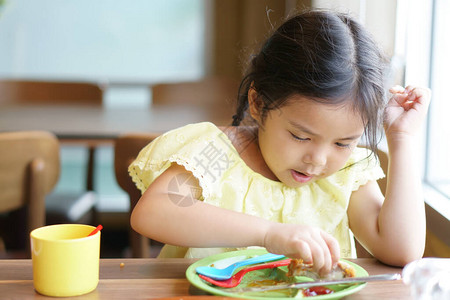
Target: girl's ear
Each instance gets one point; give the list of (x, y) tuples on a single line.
[(254, 104)]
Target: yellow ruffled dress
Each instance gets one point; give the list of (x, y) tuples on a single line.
[(227, 182)]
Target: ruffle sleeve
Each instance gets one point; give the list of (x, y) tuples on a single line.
[(200, 148), (365, 167)]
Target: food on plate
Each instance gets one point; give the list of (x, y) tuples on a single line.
[(298, 268)]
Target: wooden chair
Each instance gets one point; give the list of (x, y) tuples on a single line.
[(126, 149), (29, 170), (34, 92), (211, 91), (215, 95), (50, 92)]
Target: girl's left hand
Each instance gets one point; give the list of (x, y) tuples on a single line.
[(406, 110)]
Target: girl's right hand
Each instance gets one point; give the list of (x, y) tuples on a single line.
[(406, 110), (311, 244)]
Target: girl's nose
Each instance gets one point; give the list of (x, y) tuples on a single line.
[(316, 157)]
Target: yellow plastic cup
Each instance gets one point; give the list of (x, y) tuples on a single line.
[(65, 259)]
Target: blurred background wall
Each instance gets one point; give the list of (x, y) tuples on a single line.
[(126, 46), (238, 26)]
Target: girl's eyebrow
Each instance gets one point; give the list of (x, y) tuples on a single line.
[(308, 131), (302, 128)]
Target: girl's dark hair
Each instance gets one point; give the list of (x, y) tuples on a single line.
[(324, 56)]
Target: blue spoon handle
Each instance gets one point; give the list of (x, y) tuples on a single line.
[(226, 273), (258, 259)]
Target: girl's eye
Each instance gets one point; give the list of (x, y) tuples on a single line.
[(343, 145), (299, 138)]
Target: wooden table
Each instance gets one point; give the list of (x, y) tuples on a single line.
[(165, 278), (94, 123)]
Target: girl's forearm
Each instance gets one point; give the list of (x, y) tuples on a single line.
[(197, 225), (402, 217)]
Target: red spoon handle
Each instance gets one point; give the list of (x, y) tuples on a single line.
[(97, 229), (237, 278)]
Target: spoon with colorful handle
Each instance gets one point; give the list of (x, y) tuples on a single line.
[(237, 278), (226, 273)]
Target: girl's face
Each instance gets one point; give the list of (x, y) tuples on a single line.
[(305, 140)]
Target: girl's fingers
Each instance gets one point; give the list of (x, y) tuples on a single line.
[(333, 247), (331, 252), (396, 89), (406, 100), (318, 256), (417, 98), (420, 95), (304, 252), (312, 245), (409, 89), (400, 99), (326, 257), (399, 94), (410, 93), (325, 251)]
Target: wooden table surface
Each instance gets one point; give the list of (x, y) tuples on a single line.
[(165, 278), (86, 122)]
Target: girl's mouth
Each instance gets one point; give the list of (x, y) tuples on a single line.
[(300, 177)]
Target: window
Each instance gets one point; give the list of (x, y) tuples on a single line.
[(114, 42), (426, 45), (437, 172), (140, 40)]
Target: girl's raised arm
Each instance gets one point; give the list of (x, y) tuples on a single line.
[(394, 230)]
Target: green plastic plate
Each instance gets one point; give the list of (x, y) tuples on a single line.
[(263, 277)]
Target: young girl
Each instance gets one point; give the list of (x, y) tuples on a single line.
[(296, 183)]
